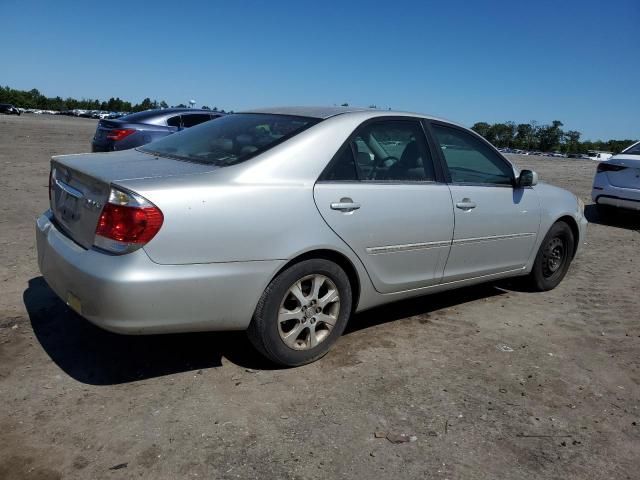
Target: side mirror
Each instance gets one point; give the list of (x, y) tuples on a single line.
[(527, 178)]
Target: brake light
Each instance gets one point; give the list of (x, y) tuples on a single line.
[(118, 134), (610, 167), (127, 222)]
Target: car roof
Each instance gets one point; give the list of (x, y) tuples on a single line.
[(159, 114), (300, 111), (327, 112)]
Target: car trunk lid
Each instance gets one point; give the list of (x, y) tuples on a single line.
[(104, 127), (76, 202), (629, 177), (80, 185)]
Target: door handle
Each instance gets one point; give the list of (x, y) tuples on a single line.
[(466, 204), (345, 205)]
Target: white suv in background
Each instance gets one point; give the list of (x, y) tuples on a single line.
[(617, 180)]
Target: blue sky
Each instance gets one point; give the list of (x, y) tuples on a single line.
[(573, 60)]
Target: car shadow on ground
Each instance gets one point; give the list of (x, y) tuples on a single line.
[(420, 306), (94, 356), (613, 217)]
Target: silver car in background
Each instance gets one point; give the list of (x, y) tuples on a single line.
[(286, 221)]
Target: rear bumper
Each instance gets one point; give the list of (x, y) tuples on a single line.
[(604, 193), (618, 202), (131, 294)]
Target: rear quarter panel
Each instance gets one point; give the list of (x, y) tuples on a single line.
[(212, 223), (234, 223)]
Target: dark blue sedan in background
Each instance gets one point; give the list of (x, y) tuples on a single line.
[(143, 127)]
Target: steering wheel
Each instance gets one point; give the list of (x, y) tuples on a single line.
[(380, 162)]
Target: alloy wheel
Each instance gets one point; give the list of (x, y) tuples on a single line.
[(308, 312)]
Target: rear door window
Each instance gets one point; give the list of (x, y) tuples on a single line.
[(192, 119), (386, 151), (175, 121), (343, 168)]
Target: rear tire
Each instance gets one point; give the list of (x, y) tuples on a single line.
[(553, 258), (301, 313)]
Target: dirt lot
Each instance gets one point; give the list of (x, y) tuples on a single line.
[(492, 382)]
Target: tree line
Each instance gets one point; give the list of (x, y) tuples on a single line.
[(524, 136), (34, 99), (543, 138)]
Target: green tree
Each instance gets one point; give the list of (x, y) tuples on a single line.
[(525, 136), (549, 136), (481, 128), (146, 104), (572, 141), (502, 134)]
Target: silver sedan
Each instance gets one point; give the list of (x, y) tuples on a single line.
[(284, 222)]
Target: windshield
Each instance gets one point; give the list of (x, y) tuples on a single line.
[(229, 139), (633, 149)]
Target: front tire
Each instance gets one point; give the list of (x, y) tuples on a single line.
[(302, 312), (553, 258)]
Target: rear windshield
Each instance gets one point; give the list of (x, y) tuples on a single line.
[(229, 139), (633, 149)]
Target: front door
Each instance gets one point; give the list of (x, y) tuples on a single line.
[(381, 197), (496, 223)]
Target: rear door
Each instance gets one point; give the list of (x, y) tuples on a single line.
[(382, 196), (496, 223)]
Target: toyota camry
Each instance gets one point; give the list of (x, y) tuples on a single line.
[(286, 221)]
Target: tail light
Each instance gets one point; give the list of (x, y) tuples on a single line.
[(118, 134), (127, 222), (609, 167)]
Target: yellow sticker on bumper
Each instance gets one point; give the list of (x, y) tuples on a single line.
[(74, 302)]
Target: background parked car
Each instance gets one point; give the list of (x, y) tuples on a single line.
[(8, 109), (140, 128), (617, 181)]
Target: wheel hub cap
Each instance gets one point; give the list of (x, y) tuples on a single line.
[(308, 312), (554, 256)]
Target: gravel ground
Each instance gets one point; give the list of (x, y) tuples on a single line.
[(488, 382)]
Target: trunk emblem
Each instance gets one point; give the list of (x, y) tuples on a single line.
[(92, 204)]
